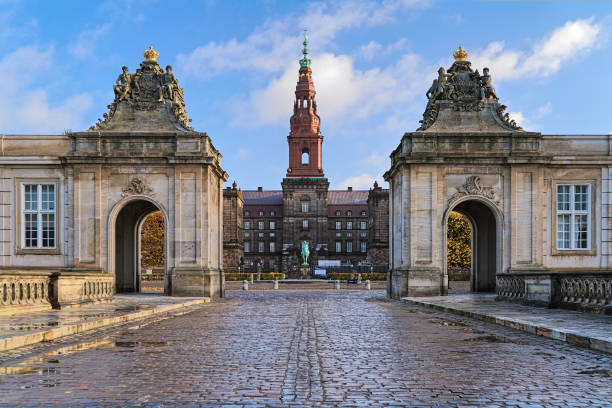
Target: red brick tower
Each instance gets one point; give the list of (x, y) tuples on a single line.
[(304, 187), (305, 138)]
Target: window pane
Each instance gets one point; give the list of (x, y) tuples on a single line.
[(349, 246), (247, 247), (581, 197), (363, 246), (563, 198), (580, 231), (260, 246), (48, 197), (31, 197), (563, 231), (272, 246), (349, 225), (48, 230), (31, 230), (338, 246), (338, 225)]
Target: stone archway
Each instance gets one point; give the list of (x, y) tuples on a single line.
[(125, 249), (486, 242)]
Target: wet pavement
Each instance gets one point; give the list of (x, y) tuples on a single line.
[(578, 328), (307, 348), (28, 328)]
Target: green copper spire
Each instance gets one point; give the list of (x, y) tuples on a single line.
[(305, 62)]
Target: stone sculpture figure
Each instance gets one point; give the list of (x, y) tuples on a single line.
[(486, 86), (168, 86), (305, 252), (124, 85), (441, 88)]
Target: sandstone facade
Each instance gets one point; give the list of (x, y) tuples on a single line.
[(72, 204), (539, 204)]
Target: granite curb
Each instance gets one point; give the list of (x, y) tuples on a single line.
[(13, 342), (565, 335)]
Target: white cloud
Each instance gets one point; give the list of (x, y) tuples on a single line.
[(369, 50), (341, 90), (273, 45), (25, 107), (360, 182), (566, 42), (84, 46)]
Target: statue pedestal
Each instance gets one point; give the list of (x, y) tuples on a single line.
[(305, 271)]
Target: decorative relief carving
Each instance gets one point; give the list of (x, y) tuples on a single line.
[(146, 90), (473, 186), (465, 89), (505, 117), (136, 186)]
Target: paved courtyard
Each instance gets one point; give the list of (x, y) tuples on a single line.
[(313, 348)]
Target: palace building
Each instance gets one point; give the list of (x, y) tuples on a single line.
[(72, 205), (539, 205), (342, 227)]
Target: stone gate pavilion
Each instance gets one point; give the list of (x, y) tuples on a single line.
[(539, 205), (71, 205)]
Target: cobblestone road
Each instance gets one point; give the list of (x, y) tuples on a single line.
[(307, 348)]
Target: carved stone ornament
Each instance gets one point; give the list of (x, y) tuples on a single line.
[(473, 186), (148, 89), (464, 90), (136, 186)]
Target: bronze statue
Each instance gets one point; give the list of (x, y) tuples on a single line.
[(486, 86), (124, 85)]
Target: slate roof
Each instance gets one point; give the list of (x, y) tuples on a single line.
[(266, 197), (334, 197), (345, 197)]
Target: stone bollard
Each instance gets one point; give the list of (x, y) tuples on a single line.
[(251, 278), (359, 279), (368, 284), (336, 284), (275, 283), (245, 285)]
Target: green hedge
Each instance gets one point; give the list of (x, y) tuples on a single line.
[(364, 276), (247, 276)]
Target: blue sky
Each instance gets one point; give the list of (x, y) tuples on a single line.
[(372, 63)]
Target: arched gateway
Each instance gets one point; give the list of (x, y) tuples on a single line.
[(538, 204), (79, 205)]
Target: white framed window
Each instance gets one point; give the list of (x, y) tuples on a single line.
[(260, 235), (349, 213), (272, 225), (260, 225), (272, 235), (38, 215), (364, 234), (260, 246), (338, 225), (246, 235), (247, 225), (349, 234), (338, 246), (304, 224), (349, 246), (349, 225), (272, 213), (260, 213), (247, 213), (573, 216), (247, 246), (363, 246), (272, 246), (305, 206), (363, 225), (363, 213), (337, 213)]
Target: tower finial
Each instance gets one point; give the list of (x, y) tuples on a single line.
[(305, 61)]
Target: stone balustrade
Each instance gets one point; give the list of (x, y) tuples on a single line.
[(96, 289), (581, 291), (19, 291)]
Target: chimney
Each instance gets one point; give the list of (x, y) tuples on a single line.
[(259, 189), (350, 189)]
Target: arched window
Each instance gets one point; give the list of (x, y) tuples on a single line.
[(305, 156)]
